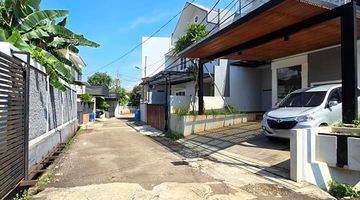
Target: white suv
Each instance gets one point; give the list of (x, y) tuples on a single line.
[(305, 108)]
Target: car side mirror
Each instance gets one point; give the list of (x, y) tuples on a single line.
[(332, 104)]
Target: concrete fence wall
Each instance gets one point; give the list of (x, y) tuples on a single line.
[(186, 102), (187, 125), (52, 116), (314, 158), (52, 113)]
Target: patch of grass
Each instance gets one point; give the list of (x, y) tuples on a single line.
[(23, 196), (173, 136), (341, 190), (357, 123)]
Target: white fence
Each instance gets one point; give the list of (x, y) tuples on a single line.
[(187, 103)]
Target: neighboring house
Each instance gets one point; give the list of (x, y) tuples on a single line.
[(153, 59), (152, 55), (111, 99), (182, 84), (173, 71)]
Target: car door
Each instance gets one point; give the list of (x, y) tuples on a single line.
[(334, 112)]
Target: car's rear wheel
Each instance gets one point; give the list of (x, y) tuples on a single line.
[(323, 125)]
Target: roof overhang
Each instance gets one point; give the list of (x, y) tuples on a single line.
[(277, 29), (170, 77)]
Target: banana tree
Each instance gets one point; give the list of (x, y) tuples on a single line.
[(43, 33)]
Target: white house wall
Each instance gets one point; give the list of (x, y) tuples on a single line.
[(188, 88), (245, 90), (222, 78), (153, 54), (188, 17)]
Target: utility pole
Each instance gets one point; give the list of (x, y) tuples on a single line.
[(145, 88), (145, 65)]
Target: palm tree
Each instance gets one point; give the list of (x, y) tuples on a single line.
[(43, 34)]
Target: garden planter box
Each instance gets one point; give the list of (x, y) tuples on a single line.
[(346, 131), (327, 140), (187, 125)]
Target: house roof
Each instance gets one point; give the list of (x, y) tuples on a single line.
[(259, 35)]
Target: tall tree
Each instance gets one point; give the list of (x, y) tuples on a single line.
[(100, 79), (43, 34), (136, 96)]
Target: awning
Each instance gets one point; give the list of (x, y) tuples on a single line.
[(171, 77), (279, 28)]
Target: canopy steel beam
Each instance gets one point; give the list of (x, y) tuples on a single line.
[(284, 32), (349, 63), (201, 87)]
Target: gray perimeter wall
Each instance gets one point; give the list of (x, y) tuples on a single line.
[(52, 116)]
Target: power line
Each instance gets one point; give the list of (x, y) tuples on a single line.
[(147, 39), (207, 14), (221, 21)]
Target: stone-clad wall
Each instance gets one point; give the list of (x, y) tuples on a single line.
[(52, 115), (49, 107)]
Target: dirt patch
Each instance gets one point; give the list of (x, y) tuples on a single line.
[(222, 189), (269, 191)]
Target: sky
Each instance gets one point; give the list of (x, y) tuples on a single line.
[(118, 26)]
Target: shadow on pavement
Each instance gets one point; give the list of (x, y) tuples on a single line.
[(244, 141)]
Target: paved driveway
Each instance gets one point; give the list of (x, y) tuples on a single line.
[(244, 142)]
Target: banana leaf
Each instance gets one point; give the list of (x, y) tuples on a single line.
[(18, 42), (2, 35), (63, 32), (35, 34), (35, 4), (36, 18)]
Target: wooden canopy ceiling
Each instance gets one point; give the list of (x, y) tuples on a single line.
[(271, 17)]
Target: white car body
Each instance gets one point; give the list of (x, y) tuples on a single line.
[(280, 120)]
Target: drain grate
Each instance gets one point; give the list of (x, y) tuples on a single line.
[(179, 163)]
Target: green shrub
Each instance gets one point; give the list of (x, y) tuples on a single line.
[(341, 190), (357, 123), (87, 98), (173, 136), (181, 112)]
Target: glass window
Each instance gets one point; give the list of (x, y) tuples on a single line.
[(336, 95), (289, 80), (303, 99), (196, 19), (181, 93)]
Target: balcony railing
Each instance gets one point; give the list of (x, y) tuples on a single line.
[(247, 6)]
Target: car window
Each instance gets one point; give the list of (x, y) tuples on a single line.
[(303, 99), (336, 95)]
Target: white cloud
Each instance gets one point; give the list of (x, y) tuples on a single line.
[(155, 17)]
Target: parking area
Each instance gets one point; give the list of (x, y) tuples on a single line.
[(242, 142)]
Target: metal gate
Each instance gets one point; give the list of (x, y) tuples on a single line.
[(13, 120), (156, 116)]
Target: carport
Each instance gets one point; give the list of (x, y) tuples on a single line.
[(281, 28)]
